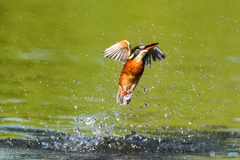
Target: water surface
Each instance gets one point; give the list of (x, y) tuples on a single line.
[(54, 78)]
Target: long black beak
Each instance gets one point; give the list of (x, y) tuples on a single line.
[(150, 46)]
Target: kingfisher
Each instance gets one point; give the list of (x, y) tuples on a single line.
[(134, 62)]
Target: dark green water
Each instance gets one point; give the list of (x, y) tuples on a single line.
[(52, 70)]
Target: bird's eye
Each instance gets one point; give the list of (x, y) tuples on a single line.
[(141, 47)]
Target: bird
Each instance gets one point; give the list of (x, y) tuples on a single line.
[(134, 63)]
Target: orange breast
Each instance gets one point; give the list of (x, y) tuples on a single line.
[(131, 73)]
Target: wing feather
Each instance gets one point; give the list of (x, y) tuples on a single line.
[(156, 54), (119, 51), (118, 55)]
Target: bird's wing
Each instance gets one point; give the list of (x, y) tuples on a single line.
[(156, 54), (119, 51)]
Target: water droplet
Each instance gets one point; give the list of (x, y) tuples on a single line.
[(134, 9), (100, 124), (96, 132), (165, 115), (144, 90), (234, 89), (75, 107), (76, 129), (89, 121)]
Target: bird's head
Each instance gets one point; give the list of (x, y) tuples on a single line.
[(141, 49)]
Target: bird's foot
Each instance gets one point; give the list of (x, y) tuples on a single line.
[(129, 92), (126, 92)]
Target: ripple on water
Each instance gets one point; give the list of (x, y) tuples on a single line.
[(12, 100), (234, 59), (196, 143), (235, 78), (36, 55)]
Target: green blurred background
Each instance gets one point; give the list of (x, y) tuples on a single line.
[(52, 70)]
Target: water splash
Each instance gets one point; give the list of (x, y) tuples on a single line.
[(88, 120)]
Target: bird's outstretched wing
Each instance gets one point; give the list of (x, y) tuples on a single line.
[(156, 54), (119, 51)]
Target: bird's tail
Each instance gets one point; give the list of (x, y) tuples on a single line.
[(124, 100)]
